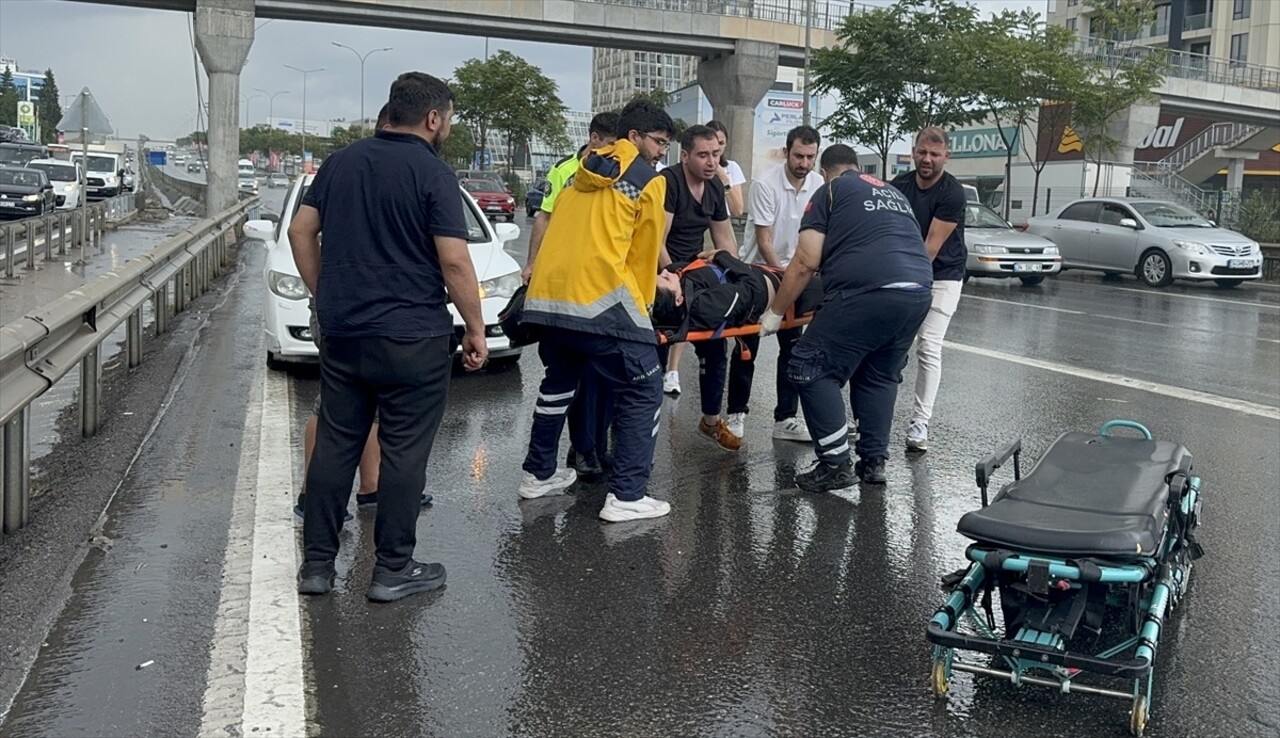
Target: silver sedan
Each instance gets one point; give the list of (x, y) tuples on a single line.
[(1155, 240), (997, 249)]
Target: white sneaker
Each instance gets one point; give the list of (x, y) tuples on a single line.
[(917, 436), (671, 383), (737, 423), (617, 511), (792, 429), (531, 487)]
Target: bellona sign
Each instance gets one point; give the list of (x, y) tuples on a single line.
[(978, 142)]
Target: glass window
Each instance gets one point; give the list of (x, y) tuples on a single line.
[(1239, 48), (1071, 24), (1171, 215), (1240, 10), (1086, 211), (981, 216), (1112, 214)]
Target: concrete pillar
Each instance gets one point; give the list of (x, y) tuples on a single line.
[(224, 33), (1129, 128), (1235, 173), (735, 85)]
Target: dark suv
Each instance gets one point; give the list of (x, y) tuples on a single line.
[(25, 192)]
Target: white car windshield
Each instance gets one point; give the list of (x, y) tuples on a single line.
[(1170, 215), (56, 172), (476, 232)]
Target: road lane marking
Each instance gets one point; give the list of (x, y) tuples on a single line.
[(1178, 393), (1117, 318), (255, 668)]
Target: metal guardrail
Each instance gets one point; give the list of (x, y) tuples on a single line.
[(1218, 134), (40, 348), (171, 184), (828, 15), (1271, 261), (1186, 65), (59, 232)]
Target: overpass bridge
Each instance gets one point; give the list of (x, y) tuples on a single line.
[(741, 44)]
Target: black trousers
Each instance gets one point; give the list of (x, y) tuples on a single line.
[(742, 373), (407, 383), (861, 340)]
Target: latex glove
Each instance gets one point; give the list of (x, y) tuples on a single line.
[(770, 322)]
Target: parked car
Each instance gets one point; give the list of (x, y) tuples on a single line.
[(1156, 240), (25, 192), (997, 249), (287, 324), (277, 179), (65, 177), (533, 198), (492, 198)]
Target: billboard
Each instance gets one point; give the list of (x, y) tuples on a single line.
[(983, 142)]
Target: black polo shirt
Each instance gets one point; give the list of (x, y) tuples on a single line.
[(872, 239), (382, 200), (945, 201), (692, 217)]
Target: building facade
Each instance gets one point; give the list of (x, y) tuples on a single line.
[(1233, 31), (618, 75)]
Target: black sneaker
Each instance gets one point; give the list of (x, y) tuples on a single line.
[(588, 465), (824, 478), (870, 471), (315, 578), (415, 577), (371, 499), (299, 514)]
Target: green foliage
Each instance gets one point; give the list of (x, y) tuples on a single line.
[(1259, 217), (508, 94), (514, 186), (48, 109), (460, 147), (897, 70), (1120, 73), (1023, 63), (8, 99)]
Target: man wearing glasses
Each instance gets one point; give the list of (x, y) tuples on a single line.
[(590, 295)]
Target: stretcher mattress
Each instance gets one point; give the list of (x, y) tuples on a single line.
[(1089, 496)]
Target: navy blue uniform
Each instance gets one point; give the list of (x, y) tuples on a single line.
[(876, 278)]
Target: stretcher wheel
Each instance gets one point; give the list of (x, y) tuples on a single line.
[(1138, 716), (938, 679)]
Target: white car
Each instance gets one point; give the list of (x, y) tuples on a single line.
[(247, 185), (65, 177), (288, 319), (997, 249)]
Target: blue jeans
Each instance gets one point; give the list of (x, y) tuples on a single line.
[(628, 373)]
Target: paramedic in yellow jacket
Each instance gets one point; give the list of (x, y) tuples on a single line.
[(591, 292)]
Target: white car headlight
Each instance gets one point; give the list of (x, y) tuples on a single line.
[(30, 198), (1193, 247), (288, 286), (984, 248), (1050, 250), (504, 286), (511, 201)]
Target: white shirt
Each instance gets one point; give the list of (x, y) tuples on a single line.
[(776, 203), (736, 177)]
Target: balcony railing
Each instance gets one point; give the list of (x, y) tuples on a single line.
[(1186, 65), (1197, 22)]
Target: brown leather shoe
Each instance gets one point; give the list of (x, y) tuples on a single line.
[(719, 433)]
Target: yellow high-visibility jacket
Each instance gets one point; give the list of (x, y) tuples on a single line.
[(598, 265)]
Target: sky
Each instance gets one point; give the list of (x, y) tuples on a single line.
[(141, 67)]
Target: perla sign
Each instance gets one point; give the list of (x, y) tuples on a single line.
[(980, 142)]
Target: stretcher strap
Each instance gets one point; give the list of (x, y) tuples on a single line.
[(790, 321)]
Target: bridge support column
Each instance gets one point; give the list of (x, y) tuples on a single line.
[(1235, 166), (224, 33), (735, 85), (1129, 128)]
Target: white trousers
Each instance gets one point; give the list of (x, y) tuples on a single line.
[(946, 297)]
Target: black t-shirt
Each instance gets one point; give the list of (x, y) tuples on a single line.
[(872, 239), (945, 201), (692, 217), (382, 200)]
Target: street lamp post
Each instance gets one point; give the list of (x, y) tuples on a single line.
[(361, 57), (305, 72), (248, 100), (271, 102), (808, 29)]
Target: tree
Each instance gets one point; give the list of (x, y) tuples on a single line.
[(897, 70), (48, 109), (1120, 74), (8, 99), (508, 94), (662, 99), (459, 149), (1024, 63)]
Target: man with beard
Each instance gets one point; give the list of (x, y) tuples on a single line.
[(395, 238), (778, 200), (938, 202)]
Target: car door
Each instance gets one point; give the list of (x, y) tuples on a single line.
[(1114, 247), (1072, 230)]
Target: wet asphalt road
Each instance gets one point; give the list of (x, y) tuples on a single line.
[(752, 610)]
